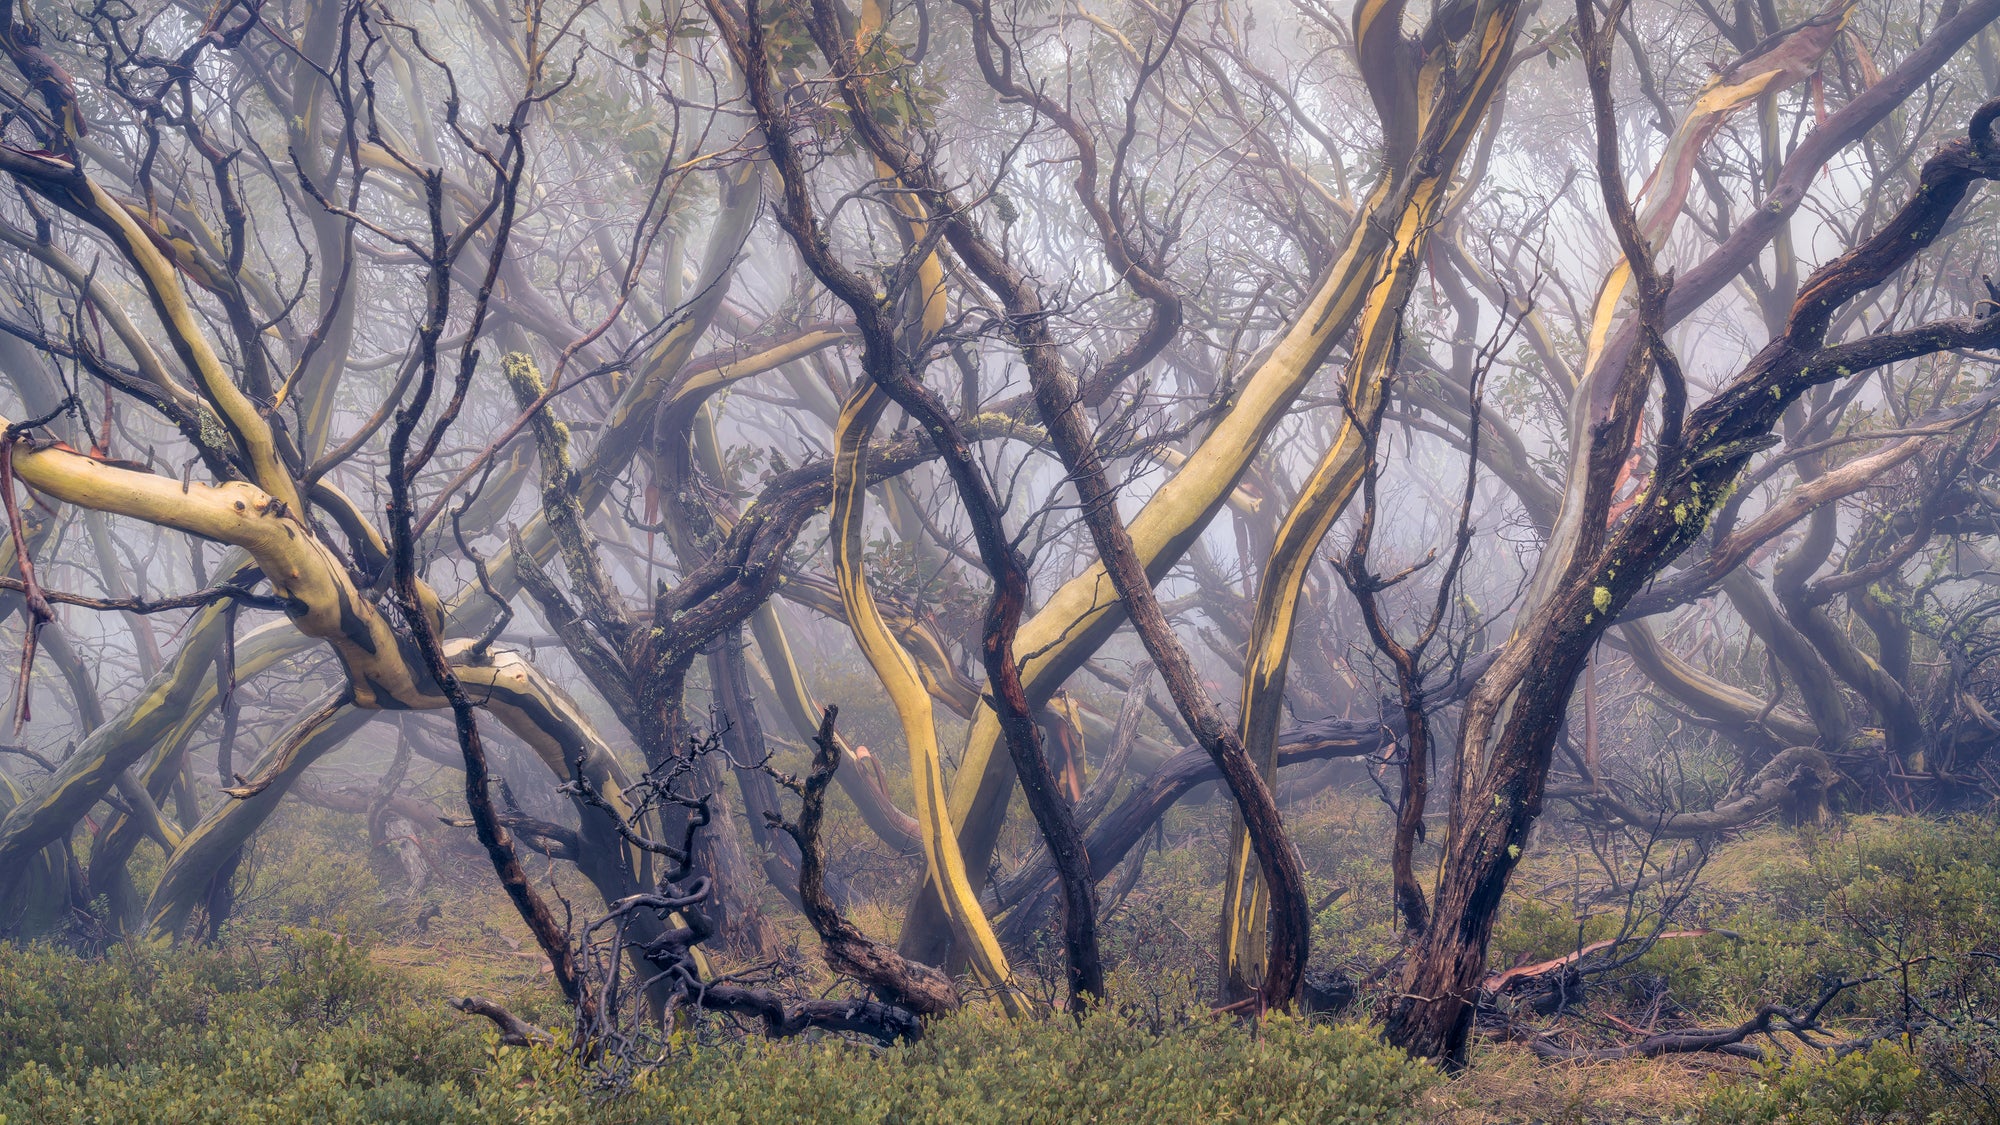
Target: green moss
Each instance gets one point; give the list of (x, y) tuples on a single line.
[(213, 435)]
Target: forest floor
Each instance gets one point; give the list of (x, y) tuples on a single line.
[(487, 950), (1783, 910), (1506, 1083)]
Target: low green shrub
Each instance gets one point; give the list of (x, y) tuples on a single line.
[(306, 1029), (311, 1031), (981, 1068), (1900, 899), (1883, 1085), (1891, 897)]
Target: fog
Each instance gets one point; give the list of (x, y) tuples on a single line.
[(946, 489)]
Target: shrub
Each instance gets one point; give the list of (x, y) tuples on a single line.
[(978, 1068), (1884, 1085), (311, 1031), (308, 1030)]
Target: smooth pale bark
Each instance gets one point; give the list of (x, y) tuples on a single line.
[(244, 426), (1787, 61), (325, 604), (47, 816), (1085, 611), (1445, 130), (899, 676), (508, 687), (304, 569)]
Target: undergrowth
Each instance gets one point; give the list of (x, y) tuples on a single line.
[(311, 1030), (289, 1021)]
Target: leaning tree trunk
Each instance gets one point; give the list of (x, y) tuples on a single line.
[(1586, 580)]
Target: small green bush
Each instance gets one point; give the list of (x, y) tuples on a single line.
[(1884, 1085)]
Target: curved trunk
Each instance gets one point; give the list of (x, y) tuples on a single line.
[(898, 673), (1469, 76)]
